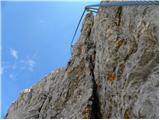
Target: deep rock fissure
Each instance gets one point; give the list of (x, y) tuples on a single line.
[(95, 106), (119, 14), (120, 82), (95, 114)]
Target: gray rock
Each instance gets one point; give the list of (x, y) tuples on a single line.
[(113, 71)]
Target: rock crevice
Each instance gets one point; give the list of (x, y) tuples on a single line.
[(113, 71)]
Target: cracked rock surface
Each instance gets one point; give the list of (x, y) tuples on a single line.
[(113, 71)]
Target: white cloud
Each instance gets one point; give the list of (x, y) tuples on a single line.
[(13, 69), (13, 53), (30, 64)]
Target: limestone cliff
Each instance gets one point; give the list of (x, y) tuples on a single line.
[(113, 71)]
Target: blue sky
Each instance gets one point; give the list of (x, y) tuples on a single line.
[(36, 40)]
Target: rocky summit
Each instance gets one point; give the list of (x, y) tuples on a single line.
[(113, 71)]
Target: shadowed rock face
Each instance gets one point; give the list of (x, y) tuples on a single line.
[(113, 71)]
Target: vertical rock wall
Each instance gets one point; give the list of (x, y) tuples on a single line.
[(113, 71), (126, 66)]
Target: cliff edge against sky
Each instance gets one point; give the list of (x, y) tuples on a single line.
[(113, 71)]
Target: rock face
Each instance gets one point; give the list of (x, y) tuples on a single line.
[(113, 71)]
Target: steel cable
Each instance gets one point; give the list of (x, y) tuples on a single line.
[(92, 8)]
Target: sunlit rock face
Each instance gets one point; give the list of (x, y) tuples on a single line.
[(113, 71)]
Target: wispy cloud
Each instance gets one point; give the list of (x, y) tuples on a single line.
[(28, 64), (17, 65), (14, 53), (31, 64)]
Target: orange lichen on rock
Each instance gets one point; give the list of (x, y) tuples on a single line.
[(126, 115), (119, 42), (86, 113), (111, 76)]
